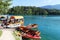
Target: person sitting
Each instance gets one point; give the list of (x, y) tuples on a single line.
[(22, 22)]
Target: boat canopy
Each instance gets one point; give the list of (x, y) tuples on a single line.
[(18, 17)]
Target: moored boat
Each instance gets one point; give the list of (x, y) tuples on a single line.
[(28, 33)]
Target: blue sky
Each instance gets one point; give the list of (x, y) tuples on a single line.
[(37, 3)]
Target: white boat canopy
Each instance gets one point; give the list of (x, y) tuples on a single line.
[(18, 17)]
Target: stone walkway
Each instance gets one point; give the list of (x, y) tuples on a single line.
[(7, 34)]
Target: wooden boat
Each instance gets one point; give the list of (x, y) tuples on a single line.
[(30, 36), (27, 33)]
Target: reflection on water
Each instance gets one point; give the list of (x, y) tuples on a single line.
[(49, 26)]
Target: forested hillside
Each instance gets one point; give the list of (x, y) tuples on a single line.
[(28, 10)]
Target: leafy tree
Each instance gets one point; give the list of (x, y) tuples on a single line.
[(4, 6)]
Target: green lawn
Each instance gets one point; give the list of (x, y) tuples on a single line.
[(0, 32), (16, 38)]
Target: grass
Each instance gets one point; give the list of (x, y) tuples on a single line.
[(16, 37), (0, 32)]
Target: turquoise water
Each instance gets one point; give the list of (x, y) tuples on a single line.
[(48, 26)]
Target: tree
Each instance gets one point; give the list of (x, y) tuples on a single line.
[(4, 6), (29, 10)]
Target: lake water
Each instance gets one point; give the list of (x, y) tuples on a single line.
[(48, 26)]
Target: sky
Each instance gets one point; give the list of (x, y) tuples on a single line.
[(37, 3)]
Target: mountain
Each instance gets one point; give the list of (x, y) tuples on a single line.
[(52, 6)]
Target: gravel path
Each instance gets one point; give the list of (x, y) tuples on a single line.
[(7, 34)]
